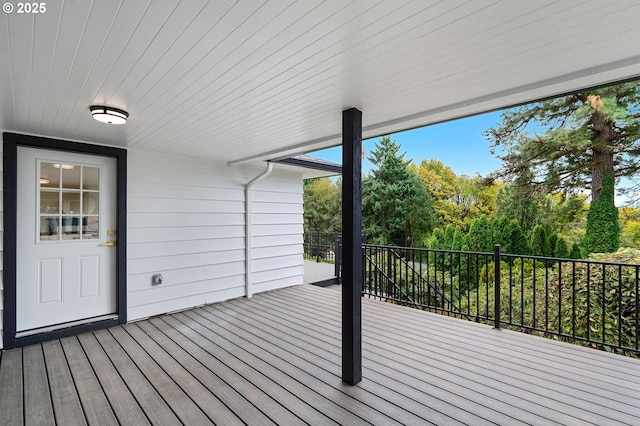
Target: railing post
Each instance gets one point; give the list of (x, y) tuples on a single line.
[(336, 256), (389, 281), (496, 302)]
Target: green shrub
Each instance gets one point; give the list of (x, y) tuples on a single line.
[(603, 229)]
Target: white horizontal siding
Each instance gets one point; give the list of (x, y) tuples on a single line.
[(277, 233), (187, 221)]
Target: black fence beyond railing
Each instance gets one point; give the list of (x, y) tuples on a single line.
[(320, 246), (325, 247), (592, 302)]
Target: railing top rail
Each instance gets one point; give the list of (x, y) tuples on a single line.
[(424, 249), (502, 254), (562, 259)]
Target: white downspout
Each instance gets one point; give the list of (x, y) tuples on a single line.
[(247, 231)]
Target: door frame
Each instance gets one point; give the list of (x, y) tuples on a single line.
[(11, 141)]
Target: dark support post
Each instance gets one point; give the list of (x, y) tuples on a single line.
[(496, 270), (351, 246)]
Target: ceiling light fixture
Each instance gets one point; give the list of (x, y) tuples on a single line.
[(44, 181), (108, 115)]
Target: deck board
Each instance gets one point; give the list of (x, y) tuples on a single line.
[(11, 391), (327, 398), (452, 356), (151, 366), (124, 405), (275, 359), (94, 402), (37, 399), (284, 403), (211, 406), (245, 393), (66, 402), (248, 413), (324, 373), (404, 382), (154, 407), (380, 369), (327, 356), (290, 393)]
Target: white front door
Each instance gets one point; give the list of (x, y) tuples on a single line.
[(66, 223)]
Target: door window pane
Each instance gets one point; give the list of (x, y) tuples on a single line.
[(49, 228), (71, 228), (90, 228), (91, 178), (49, 202), (90, 203), (49, 176), (70, 202), (70, 176)]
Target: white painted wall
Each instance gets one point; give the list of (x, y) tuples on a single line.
[(186, 221)]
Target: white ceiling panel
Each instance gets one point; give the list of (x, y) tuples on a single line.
[(236, 80)]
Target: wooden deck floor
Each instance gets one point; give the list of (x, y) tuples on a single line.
[(275, 359), (319, 272)]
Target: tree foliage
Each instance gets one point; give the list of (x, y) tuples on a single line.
[(630, 223), (322, 205), (396, 207), (561, 250), (603, 229), (521, 205), (518, 243), (571, 143), (458, 199), (539, 242), (479, 237)]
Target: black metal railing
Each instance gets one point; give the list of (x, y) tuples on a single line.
[(325, 247), (596, 303), (320, 246)]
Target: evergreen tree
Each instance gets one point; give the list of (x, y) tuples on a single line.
[(575, 253), (553, 239), (584, 138), (439, 236), (499, 232), (458, 239), (517, 240), (479, 236), (562, 251), (539, 241), (434, 244), (396, 207), (520, 202), (448, 237), (603, 229)]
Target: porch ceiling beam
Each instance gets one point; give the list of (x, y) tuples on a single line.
[(352, 246)]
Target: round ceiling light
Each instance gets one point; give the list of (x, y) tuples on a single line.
[(108, 115)]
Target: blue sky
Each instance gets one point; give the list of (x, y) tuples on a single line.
[(458, 144)]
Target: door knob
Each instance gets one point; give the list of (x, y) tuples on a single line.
[(108, 244)]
